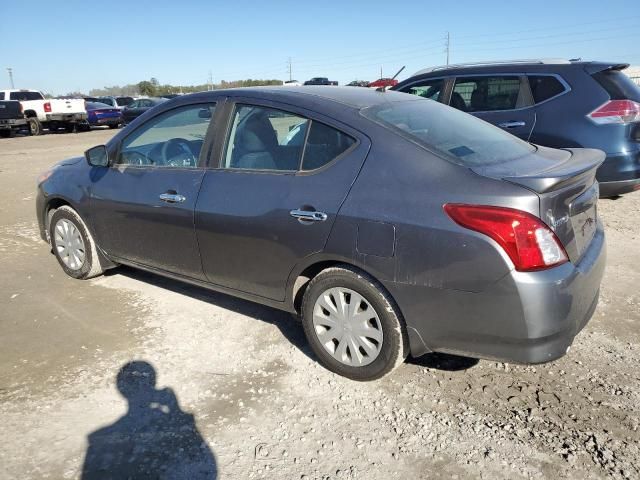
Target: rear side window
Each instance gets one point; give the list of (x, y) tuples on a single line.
[(544, 87), (324, 143), (427, 89), (124, 101), (618, 85), (463, 139), (25, 96), (486, 94)]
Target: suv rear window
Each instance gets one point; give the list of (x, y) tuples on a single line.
[(618, 85), (461, 138), (544, 87)]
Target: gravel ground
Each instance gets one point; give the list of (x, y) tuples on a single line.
[(239, 394)]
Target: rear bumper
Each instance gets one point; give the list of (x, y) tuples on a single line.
[(6, 123), (526, 317), (66, 117), (620, 173)]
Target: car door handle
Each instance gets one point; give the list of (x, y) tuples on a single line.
[(172, 198), (512, 124), (308, 216)]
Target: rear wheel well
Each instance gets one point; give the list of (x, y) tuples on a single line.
[(30, 114), (303, 279)]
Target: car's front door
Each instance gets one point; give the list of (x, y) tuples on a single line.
[(143, 204), (503, 100), (275, 195)]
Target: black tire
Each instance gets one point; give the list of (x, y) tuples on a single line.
[(395, 343), (114, 125), (6, 133), (91, 265), (35, 127), (70, 128)]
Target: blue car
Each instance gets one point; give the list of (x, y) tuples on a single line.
[(100, 114)]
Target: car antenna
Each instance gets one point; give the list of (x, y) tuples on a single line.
[(384, 89)]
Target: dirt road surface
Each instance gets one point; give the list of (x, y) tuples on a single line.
[(239, 394)]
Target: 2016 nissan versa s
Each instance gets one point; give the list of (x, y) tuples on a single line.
[(392, 224)]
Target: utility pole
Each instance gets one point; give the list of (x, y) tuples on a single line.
[(10, 70), (210, 83), (447, 44), (290, 69), (381, 71)]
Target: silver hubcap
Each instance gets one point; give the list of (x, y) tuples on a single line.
[(347, 326), (69, 244)]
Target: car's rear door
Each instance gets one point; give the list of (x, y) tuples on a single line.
[(501, 99), (280, 180), (142, 205)]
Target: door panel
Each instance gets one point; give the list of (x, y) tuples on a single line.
[(143, 205), (249, 240)]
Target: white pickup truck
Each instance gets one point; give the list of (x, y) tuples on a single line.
[(48, 113)]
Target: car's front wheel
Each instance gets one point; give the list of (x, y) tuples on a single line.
[(73, 244), (352, 324)]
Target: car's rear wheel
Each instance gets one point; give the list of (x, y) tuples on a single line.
[(114, 125), (6, 133), (353, 325), (73, 245), (35, 127)]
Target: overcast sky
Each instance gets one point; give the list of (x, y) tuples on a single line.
[(76, 45)]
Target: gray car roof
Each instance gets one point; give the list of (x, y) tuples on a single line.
[(355, 97)]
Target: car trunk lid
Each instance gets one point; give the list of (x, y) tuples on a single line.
[(564, 181)]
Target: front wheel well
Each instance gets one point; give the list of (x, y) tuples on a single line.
[(52, 206)]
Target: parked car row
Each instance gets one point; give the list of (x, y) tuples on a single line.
[(29, 110)]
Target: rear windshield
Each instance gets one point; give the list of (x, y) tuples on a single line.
[(25, 96), (124, 100), (618, 85), (458, 136)]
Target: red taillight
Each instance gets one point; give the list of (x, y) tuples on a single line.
[(47, 107), (616, 111), (530, 243)]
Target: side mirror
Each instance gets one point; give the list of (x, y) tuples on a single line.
[(97, 156), (204, 113)]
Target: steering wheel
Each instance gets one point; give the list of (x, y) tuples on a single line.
[(177, 153)]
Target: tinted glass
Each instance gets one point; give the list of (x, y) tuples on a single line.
[(96, 105), (426, 89), (485, 94), (544, 87), (124, 101), (107, 101), (173, 139), (324, 143), (618, 85), (463, 139), (265, 139), (25, 96)]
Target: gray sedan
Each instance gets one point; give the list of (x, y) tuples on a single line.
[(392, 225)]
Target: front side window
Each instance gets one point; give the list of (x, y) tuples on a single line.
[(263, 138), (427, 89), (486, 94), (172, 139), (463, 139)]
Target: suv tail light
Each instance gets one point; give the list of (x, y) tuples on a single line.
[(47, 107), (528, 241), (616, 111)]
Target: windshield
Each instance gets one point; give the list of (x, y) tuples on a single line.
[(458, 136)]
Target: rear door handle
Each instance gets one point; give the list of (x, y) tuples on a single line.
[(512, 124), (172, 198), (308, 216)]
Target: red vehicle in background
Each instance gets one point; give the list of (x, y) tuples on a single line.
[(384, 83)]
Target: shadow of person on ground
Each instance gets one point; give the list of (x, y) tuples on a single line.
[(155, 439)]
